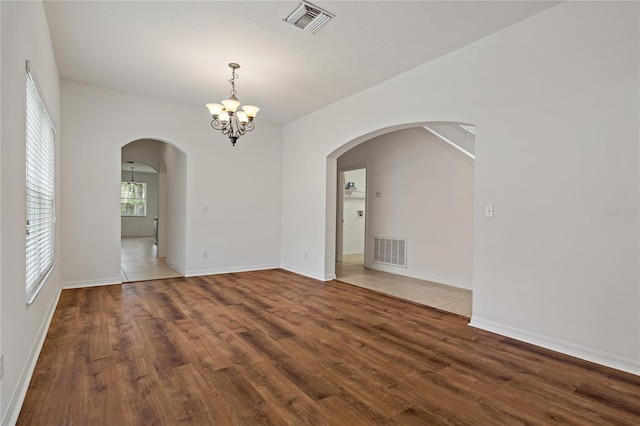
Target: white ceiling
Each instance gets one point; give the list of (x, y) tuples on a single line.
[(179, 51)]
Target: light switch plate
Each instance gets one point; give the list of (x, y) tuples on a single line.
[(488, 210)]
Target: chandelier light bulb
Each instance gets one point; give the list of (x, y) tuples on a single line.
[(242, 117), (231, 104), (224, 116), (251, 111), (215, 109)]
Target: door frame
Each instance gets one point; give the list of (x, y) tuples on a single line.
[(340, 190)]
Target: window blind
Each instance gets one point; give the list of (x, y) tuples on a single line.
[(40, 185)]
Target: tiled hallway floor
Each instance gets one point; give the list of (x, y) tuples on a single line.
[(138, 261), (451, 299)]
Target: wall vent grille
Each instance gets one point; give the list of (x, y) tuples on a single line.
[(390, 251)]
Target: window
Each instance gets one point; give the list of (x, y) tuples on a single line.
[(133, 199), (40, 186)]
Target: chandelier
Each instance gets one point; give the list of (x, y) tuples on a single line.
[(227, 118)]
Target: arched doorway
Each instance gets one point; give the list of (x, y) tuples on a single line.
[(419, 213), (153, 242)]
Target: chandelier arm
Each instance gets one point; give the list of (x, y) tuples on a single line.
[(217, 124), (226, 129)]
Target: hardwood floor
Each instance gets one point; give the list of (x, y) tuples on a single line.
[(272, 347)]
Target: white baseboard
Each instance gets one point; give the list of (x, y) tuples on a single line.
[(305, 273), (588, 354), (200, 272), (298, 271), (20, 391), (92, 283)]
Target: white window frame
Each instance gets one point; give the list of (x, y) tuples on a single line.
[(144, 198), (40, 189)]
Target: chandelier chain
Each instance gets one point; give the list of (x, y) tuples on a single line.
[(234, 77)]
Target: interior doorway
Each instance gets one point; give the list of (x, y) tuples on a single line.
[(352, 221), (419, 227), (152, 241)]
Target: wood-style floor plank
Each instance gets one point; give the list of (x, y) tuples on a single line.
[(276, 348)]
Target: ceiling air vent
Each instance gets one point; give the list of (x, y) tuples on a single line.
[(309, 17)]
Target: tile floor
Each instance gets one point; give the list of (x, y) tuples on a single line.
[(138, 261), (451, 299)]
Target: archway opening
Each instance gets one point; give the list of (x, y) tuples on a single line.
[(419, 213), (153, 222)]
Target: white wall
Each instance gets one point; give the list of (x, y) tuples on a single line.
[(239, 185), (427, 198), (555, 101), (353, 201), (174, 220), (141, 226), (25, 35)]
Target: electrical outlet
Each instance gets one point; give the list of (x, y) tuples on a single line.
[(205, 254), (306, 256)]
